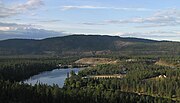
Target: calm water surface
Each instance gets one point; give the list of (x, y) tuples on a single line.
[(57, 76)]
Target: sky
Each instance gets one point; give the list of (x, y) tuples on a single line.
[(151, 19)]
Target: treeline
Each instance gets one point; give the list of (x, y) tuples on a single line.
[(23, 93), (18, 69), (103, 69)]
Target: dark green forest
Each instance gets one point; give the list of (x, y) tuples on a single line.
[(139, 86), (87, 45)]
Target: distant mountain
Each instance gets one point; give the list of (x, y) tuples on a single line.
[(28, 33), (87, 45)]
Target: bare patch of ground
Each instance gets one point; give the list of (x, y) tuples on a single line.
[(95, 61), (163, 63)]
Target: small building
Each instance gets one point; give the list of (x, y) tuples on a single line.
[(162, 76)]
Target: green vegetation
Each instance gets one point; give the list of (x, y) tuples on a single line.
[(139, 74), (87, 45), (141, 84), (23, 93)]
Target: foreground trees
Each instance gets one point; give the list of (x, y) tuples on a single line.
[(23, 93), (142, 83)]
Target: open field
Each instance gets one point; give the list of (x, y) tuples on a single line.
[(95, 61)]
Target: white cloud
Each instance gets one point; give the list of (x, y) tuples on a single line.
[(170, 17), (153, 34), (6, 12), (11, 10), (91, 23), (30, 4), (4, 28), (26, 31), (81, 7), (70, 7), (14, 26), (161, 18), (50, 21)]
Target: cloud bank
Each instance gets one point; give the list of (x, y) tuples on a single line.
[(71, 7), (11, 10), (156, 35), (161, 18), (25, 31)]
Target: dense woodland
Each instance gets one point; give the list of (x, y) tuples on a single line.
[(87, 45), (141, 84), (142, 78), (23, 93)]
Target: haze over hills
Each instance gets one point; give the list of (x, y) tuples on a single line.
[(87, 45), (28, 33)]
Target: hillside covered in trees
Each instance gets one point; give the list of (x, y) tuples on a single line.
[(88, 45)]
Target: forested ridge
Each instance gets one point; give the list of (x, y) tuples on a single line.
[(87, 45)]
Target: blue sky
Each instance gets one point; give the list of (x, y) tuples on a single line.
[(152, 19)]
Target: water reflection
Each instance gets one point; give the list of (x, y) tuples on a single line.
[(57, 76)]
